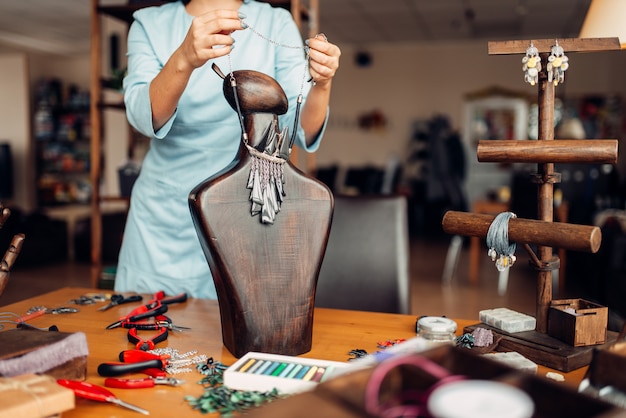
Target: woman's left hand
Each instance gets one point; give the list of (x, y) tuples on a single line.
[(324, 59)]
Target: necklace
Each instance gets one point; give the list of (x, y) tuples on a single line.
[(266, 178)]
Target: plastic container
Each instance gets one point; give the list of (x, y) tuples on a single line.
[(437, 330)]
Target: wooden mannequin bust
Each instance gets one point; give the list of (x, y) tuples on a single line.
[(265, 274)]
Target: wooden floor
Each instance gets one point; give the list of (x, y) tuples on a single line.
[(458, 299)]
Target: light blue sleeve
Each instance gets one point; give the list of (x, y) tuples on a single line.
[(143, 66)]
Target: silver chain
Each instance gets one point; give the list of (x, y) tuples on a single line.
[(271, 41)]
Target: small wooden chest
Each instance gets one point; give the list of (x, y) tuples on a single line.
[(578, 322)]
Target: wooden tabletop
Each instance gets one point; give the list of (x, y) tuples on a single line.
[(335, 333)]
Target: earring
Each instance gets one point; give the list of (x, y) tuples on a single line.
[(531, 65), (557, 64)]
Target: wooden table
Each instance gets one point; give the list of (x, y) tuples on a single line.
[(335, 333)]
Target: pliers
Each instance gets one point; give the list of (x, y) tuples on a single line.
[(142, 312), (119, 300), (148, 344), (159, 322), (147, 382), (156, 306)]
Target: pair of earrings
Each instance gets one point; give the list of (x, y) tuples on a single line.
[(558, 63)]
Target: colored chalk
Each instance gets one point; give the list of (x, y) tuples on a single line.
[(256, 365), (264, 367), (287, 374), (247, 365), (302, 372), (309, 375), (295, 371), (279, 369), (272, 367), (287, 370), (318, 375)]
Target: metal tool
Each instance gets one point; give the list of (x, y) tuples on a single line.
[(118, 299), (144, 311), (148, 344), (37, 311), (97, 393), (159, 322), (155, 307), (147, 382)]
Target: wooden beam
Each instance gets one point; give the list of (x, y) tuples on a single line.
[(544, 45)]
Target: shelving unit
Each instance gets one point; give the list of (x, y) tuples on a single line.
[(61, 131), (543, 232), (305, 15)]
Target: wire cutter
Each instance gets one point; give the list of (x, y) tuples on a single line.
[(148, 344), (159, 321), (147, 382), (119, 300), (97, 393), (142, 312), (156, 306)]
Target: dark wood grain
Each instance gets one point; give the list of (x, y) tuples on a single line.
[(265, 275), (530, 231), (592, 151), (544, 45)]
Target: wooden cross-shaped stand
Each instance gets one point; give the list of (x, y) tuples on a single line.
[(545, 152)]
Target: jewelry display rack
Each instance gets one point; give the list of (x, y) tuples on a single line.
[(537, 345)]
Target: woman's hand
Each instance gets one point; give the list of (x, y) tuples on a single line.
[(209, 37), (324, 59)]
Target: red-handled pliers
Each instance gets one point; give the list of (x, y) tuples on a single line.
[(148, 344), (155, 307), (142, 312), (147, 382), (97, 393)]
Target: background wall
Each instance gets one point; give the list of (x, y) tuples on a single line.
[(409, 82), (405, 82)]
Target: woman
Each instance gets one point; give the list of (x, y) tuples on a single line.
[(173, 96)]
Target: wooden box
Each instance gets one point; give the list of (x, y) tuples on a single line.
[(33, 396), (578, 322)]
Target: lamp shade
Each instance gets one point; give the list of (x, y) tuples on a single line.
[(605, 19)]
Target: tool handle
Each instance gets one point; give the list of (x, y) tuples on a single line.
[(147, 313), (118, 369), (31, 315), (112, 382), (87, 390), (135, 356), (175, 299), (130, 299)]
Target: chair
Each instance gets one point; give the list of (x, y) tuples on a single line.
[(366, 264)]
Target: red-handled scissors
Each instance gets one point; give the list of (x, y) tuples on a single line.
[(147, 382), (97, 393)]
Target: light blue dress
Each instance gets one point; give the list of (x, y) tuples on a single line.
[(161, 249)]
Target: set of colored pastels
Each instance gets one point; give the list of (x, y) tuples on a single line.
[(507, 320), (288, 374)]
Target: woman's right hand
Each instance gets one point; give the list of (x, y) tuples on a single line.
[(209, 37)]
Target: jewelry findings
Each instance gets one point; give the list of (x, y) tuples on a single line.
[(500, 251), (266, 178), (531, 65), (557, 64)]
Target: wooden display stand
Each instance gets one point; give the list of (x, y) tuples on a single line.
[(543, 232)]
